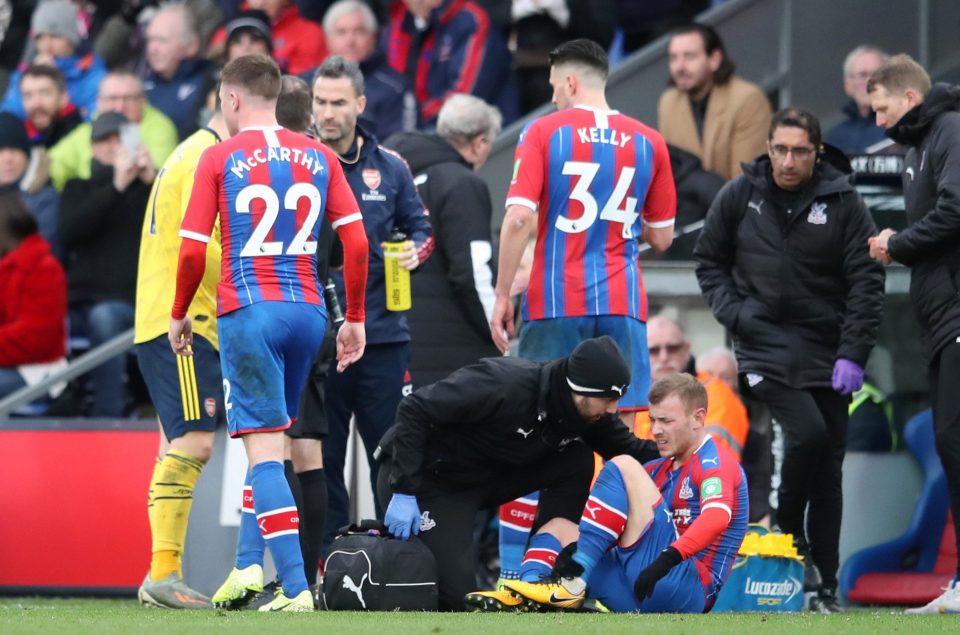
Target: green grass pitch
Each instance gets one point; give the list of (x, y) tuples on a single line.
[(95, 616)]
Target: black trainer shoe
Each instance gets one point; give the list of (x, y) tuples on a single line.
[(812, 580), (825, 601)]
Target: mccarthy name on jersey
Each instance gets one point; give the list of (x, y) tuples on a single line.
[(259, 156)]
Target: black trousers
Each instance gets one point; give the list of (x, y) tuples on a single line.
[(814, 424), (945, 398), (448, 512)]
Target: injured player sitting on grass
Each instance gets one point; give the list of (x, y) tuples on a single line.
[(659, 537)]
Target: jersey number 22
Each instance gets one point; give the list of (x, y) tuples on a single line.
[(258, 245)]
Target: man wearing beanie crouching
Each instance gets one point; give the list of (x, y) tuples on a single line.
[(493, 431)]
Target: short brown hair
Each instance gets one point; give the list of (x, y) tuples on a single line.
[(50, 72), (898, 74), (691, 392), (259, 75), (293, 104)]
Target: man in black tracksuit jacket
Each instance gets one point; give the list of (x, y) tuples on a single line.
[(926, 120), (453, 291), (783, 264), (497, 430)]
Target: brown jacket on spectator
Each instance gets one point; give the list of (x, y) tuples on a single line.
[(734, 129)]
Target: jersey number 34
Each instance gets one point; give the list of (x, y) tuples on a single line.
[(618, 208), (258, 245)]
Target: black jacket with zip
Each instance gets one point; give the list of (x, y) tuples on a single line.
[(453, 291), (796, 287), (930, 245), (488, 419)]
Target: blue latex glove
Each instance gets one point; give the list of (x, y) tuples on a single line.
[(403, 516), (847, 376)]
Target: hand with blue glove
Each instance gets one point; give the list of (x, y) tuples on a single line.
[(847, 376), (403, 516)]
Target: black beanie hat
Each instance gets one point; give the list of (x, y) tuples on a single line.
[(13, 134), (596, 368)]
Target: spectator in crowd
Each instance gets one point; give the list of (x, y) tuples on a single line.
[(33, 300), (370, 389), (26, 169), (248, 34), (567, 299), (298, 43), (453, 292), (351, 30), (188, 394), (50, 115), (539, 26), (100, 221), (781, 260), (443, 47), (720, 362), (859, 130), (726, 418), (492, 432), (120, 40), (121, 92), (709, 111), (56, 31), (179, 78), (926, 119)]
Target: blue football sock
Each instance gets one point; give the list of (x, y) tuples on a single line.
[(516, 519), (540, 557), (249, 541), (604, 517), (279, 522)]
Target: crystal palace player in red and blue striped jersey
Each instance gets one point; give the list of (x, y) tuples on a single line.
[(590, 175), (658, 538), (269, 188)]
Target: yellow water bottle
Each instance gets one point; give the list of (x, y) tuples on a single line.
[(397, 278)]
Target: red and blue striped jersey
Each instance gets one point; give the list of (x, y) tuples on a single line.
[(592, 175), (711, 478), (270, 188)]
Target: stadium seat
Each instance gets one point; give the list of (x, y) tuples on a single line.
[(911, 569)]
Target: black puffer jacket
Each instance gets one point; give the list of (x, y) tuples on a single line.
[(930, 245), (796, 288), (485, 420), (453, 291), (100, 231)]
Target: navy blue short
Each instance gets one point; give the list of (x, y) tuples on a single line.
[(186, 391), (545, 340), (611, 582), (266, 350)]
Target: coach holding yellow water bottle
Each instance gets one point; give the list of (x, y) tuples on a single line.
[(371, 389)]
